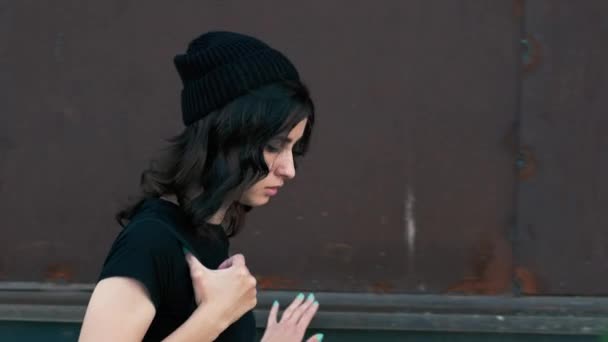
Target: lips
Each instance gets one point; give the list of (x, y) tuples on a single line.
[(271, 190)]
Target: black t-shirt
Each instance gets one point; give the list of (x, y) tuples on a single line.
[(149, 250)]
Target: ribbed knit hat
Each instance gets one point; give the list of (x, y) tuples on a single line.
[(220, 66)]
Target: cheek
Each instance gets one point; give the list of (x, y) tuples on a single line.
[(254, 190), (254, 196)]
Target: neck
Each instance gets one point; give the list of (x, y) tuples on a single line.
[(216, 218), (219, 215)]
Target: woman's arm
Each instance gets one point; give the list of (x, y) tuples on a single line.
[(120, 310)]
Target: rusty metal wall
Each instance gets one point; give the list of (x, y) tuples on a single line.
[(562, 194), (409, 186)]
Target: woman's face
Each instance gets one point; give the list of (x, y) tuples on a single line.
[(279, 158)]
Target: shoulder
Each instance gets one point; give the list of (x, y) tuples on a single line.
[(147, 233), (150, 226)]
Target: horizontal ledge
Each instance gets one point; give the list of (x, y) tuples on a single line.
[(367, 321), (358, 311)]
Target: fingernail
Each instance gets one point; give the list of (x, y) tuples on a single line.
[(315, 303), (186, 251), (320, 337), (276, 303), (300, 296), (311, 297)]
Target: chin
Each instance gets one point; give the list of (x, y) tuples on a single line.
[(255, 202)]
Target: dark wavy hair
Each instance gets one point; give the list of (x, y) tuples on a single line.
[(219, 156)]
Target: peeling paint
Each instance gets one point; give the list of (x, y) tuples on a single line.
[(410, 227)]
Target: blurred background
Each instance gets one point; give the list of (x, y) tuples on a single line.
[(456, 177)]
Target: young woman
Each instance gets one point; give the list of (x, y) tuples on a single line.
[(168, 275)]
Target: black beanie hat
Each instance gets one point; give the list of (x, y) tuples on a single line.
[(221, 66)]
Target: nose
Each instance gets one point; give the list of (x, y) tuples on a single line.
[(285, 167)]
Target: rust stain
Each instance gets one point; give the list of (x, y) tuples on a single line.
[(58, 273), (492, 264), (530, 163), (493, 269), (527, 280), (469, 285), (381, 287), (275, 282)]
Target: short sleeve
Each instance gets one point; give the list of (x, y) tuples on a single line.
[(143, 251)]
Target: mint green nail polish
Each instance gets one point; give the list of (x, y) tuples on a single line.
[(300, 296), (315, 303), (186, 251), (276, 303), (320, 337), (311, 297)]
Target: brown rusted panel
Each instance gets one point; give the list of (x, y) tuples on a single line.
[(408, 187), (562, 223)]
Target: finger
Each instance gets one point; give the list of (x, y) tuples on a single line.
[(193, 262), (303, 308), (225, 264), (292, 307), (237, 260), (272, 315), (316, 338), (307, 316)]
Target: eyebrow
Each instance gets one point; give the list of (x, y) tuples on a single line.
[(284, 139)]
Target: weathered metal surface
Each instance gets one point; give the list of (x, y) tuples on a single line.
[(562, 197), (408, 187)]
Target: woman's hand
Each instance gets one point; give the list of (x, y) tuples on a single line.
[(229, 291), (294, 321)]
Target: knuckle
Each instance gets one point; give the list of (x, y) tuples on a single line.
[(238, 258)]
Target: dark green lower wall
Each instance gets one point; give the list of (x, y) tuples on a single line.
[(60, 332)]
